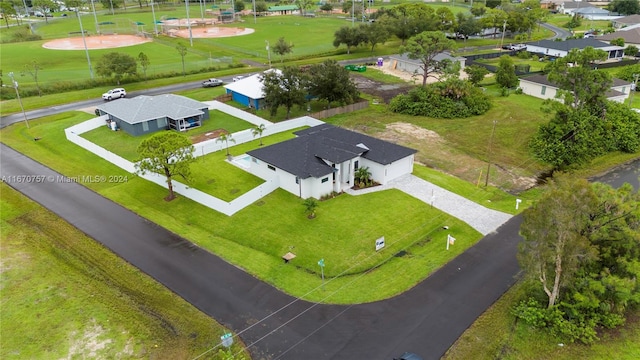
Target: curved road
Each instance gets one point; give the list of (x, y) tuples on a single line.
[(425, 320)]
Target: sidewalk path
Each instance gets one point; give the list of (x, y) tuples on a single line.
[(477, 216)]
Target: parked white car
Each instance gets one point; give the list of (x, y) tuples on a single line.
[(114, 94)]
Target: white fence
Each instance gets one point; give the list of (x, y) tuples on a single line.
[(228, 208), (241, 137)]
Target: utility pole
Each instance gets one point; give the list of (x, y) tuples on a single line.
[(353, 13), (268, 53), (635, 88), (486, 181), (504, 28), (189, 24), (15, 86), (84, 41)]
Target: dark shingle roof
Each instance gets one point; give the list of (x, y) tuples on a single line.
[(303, 156), (567, 45)]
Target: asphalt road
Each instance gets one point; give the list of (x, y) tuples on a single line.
[(425, 320), (56, 109)]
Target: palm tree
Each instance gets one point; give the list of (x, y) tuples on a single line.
[(310, 204), (226, 138), (363, 176), (257, 131)]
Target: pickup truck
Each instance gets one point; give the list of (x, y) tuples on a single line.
[(212, 82)]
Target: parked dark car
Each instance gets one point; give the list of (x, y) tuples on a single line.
[(212, 83)]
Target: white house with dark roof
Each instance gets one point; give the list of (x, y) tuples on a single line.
[(562, 48), (146, 114), (324, 158), (539, 86)]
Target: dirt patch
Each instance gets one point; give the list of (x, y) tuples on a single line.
[(213, 32), (435, 152), (95, 42), (382, 91), (207, 136)]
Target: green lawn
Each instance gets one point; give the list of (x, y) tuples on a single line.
[(497, 335), (66, 296), (126, 145), (561, 20), (255, 238), (533, 62)]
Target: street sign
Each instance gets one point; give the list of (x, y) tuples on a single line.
[(321, 262), (380, 243), (227, 340)]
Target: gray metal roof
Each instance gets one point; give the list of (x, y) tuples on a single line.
[(145, 108), (303, 156)]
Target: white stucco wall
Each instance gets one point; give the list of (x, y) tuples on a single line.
[(535, 90), (398, 168), (546, 51)]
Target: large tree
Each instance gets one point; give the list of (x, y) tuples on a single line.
[(494, 20), (350, 36), (284, 88), (45, 7), (581, 86), (7, 10), (625, 7), (281, 47), (331, 82), (166, 153), (116, 65), (554, 242), (374, 34), (424, 47), (506, 73), (467, 25), (476, 73), (582, 248)]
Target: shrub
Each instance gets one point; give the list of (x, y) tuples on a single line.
[(452, 98)]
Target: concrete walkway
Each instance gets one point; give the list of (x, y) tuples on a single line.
[(477, 216)]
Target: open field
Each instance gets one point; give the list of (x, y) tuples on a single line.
[(69, 297)]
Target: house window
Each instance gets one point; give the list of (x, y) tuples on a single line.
[(145, 126), (162, 122), (356, 165), (297, 180), (624, 89), (544, 90), (271, 167), (325, 180)]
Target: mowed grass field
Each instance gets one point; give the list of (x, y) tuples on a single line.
[(65, 296)]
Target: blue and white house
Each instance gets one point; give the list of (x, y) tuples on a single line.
[(249, 91)]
